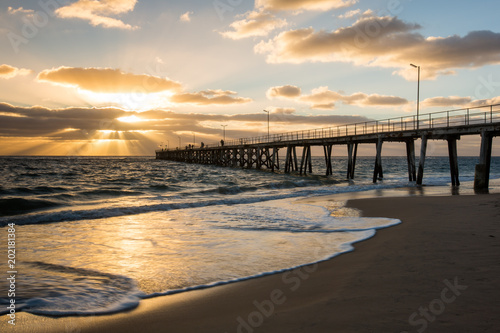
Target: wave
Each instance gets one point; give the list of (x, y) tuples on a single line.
[(17, 206), (38, 190), (66, 291), (68, 215), (109, 193), (57, 290)]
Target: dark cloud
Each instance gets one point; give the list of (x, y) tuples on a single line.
[(209, 97), (324, 99), (385, 42), (82, 123)]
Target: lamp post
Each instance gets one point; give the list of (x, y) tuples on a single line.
[(267, 124), (418, 92), (224, 132)]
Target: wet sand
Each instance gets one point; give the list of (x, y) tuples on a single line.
[(438, 271)]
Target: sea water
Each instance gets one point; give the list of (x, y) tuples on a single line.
[(97, 235)]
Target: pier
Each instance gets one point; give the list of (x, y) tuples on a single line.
[(263, 152)]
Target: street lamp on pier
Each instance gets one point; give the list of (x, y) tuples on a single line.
[(418, 92), (267, 124), (224, 132)]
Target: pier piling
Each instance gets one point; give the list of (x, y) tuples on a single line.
[(482, 172)]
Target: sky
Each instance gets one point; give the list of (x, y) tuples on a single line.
[(125, 77)]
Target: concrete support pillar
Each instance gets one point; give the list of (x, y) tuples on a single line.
[(482, 175), (378, 172), (352, 151), (410, 156), (421, 162), (327, 149), (275, 159), (306, 160), (452, 153)]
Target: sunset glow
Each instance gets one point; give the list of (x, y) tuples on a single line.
[(156, 71)]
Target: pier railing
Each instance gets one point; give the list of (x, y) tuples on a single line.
[(459, 117)]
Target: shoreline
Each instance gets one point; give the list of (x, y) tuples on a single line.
[(377, 287)]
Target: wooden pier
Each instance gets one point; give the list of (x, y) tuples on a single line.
[(263, 152)]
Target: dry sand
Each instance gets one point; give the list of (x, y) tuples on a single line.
[(438, 271)]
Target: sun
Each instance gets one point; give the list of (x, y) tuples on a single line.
[(130, 119)]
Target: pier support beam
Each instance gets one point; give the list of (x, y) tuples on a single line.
[(377, 172), (306, 162), (291, 159), (328, 159), (275, 159), (452, 152), (482, 175), (352, 151), (421, 162), (410, 156)]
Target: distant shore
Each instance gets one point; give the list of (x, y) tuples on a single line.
[(438, 271)]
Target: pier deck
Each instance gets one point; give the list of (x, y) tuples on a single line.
[(262, 152)]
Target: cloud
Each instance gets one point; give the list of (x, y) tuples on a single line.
[(283, 111), (255, 23), (324, 99), (441, 101), (8, 72), (316, 5), (89, 123), (209, 97), (186, 17), (287, 91), (20, 10), (99, 12), (107, 80), (385, 42), (351, 13)]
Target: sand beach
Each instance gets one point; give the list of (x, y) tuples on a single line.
[(437, 271)]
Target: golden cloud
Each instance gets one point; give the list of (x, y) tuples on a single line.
[(255, 23), (385, 42), (209, 97), (287, 91), (99, 12), (325, 99), (450, 101), (318, 5), (186, 17), (8, 72), (458, 102), (107, 80)]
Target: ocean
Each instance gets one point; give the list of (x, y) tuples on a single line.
[(96, 235)]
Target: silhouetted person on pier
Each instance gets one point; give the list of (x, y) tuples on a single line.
[(202, 145), (222, 142)]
